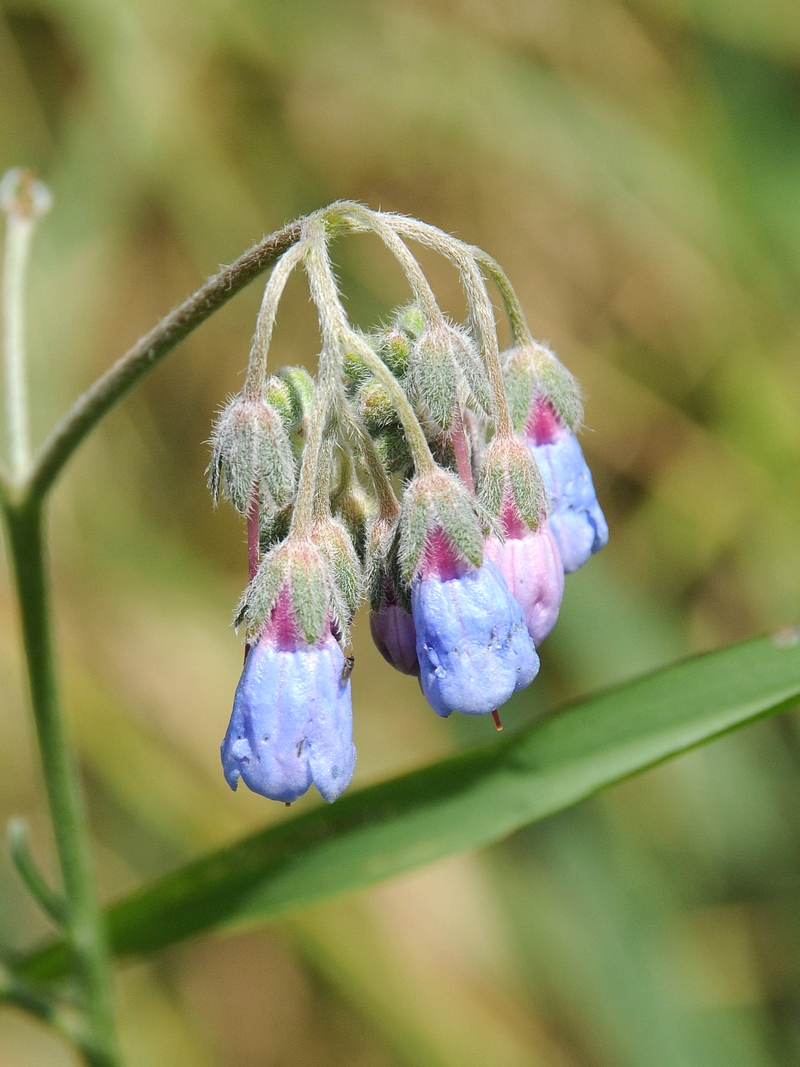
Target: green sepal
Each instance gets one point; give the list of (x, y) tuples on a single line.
[(492, 482), (344, 574), (259, 597), (559, 387), (375, 407), (519, 375), (438, 499), (466, 357), (533, 371), (309, 593), (299, 566), (415, 518), (527, 487), (250, 452), (456, 513), (510, 470), (432, 381)]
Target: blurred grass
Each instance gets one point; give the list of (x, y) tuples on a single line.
[(636, 168)]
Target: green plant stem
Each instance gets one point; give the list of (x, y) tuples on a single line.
[(387, 500), (83, 921), (19, 850), (520, 331), (146, 354), (22, 497)]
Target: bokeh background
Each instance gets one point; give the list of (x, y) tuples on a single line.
[(635, 165)]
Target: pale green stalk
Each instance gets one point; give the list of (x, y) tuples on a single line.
[(420, 286), (387, 500), (265, 323), (83, 921), (520, 331), (478, 300), (340, 334)]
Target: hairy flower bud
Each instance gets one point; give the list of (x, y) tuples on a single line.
[(532, 372), (375, 408), (392, 629), (524, 549), (291, 393), (394, 348), (444, 365), (298, 567), (251, 456), (510, 476), (344, 578), (393, 452), (530, 563)]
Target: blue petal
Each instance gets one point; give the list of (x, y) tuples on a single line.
[(292, 723), (577, 522), (472, 642)]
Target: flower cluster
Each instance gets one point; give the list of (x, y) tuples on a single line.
[(423, 469)]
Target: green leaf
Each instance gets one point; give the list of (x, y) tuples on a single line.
[(461, 803)]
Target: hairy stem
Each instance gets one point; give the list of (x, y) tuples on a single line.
[(303, 516), (147, 353), (464, 257), (83, 920), (373, 220), (520, 331), (265, 323), (325, 293), (458, 436), (388, 506)]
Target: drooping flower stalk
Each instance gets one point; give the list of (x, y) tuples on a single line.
[(464, 572)]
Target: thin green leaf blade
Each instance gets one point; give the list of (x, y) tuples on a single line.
[(460, 803)]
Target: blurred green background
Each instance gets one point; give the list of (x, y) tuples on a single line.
[(635, 166)]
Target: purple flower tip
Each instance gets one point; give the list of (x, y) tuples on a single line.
[(472, 643), (292, 721), (393, 632), (577, 522)]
